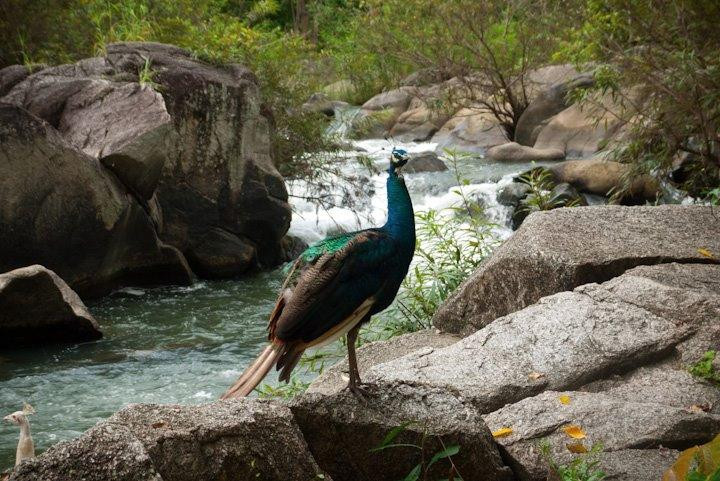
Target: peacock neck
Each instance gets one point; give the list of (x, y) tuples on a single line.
[(401, 219)]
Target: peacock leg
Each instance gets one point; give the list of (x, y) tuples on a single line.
[(354, 385)]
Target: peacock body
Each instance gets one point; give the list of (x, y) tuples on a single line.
[(336, 285)]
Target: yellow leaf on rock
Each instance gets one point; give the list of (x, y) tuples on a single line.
[(502, 432), (536, 375), (564, 399), (706, 252), (576, 448), (574, 432)]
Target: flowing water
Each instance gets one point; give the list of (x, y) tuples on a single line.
[(187, 344)]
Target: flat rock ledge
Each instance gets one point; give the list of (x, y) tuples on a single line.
[(229, 440), (558, 250), (37, 307)]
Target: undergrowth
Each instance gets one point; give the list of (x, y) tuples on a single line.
[(581, 468), (704, 369)]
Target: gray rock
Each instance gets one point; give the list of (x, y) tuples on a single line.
[(63, 210), (322, 104), (11, 76), (602, 177), (341, 431), (514, 152), (470, 130), (567, 194), (545, 105), (221, 254), (106, 452), (126, 126), (424, 162), (636, 464), (221, 173), (398, 100), (232, 440), (424, 76), (615, 423), (335, 379), (513, 193), (562, 342), (560, 249), (38, 307), (417, 125)]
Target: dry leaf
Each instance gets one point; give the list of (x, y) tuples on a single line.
[(535, 375), (564, 399), (158, 424), (706, 252), (699, 408), (502, 432), (577, 448), (574, 432)]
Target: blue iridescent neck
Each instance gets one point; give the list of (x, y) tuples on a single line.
[(401, 218)]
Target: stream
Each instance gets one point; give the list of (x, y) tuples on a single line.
[(187, 344)]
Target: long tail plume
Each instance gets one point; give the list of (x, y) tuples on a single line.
[(255, 373)]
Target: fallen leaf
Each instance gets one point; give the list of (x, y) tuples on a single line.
[(502, 432), (535, 375), (159, 424), (574, 432), (706, 252), (564, 399), (576, 448), (699, 408)]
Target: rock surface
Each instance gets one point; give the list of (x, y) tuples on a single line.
[(514, 152), (38, 307), (231, 440), (192, 144), (63, 210), (424, 162), (342, 430), (615, 423), (601, 177), (560, 249), (335, 379), (544, 106), (470, 130)]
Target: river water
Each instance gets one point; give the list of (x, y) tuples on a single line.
[(187, 344)]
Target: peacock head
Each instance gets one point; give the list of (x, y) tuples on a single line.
[(398, 158)]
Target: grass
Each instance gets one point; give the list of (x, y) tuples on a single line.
[(704, 369), (146, 75), (582, 468)]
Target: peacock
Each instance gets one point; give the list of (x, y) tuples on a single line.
[(335, 286)]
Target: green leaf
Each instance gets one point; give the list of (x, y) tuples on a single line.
[(445, 453), (413, 475)]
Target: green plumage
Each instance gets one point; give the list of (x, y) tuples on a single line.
[(329, 245)]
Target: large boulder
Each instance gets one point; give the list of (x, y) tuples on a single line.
[(560, 249), (62, 209), (37, 307), (191, 142), (230, 440), (343, 430), (602, 177), (417, 124), (221, 173), (582, 131), (614, 423), (470, 130), (335, 378), (424, 162), (11, 76), (545, 105), (514, 152)]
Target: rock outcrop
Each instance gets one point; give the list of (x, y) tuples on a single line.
[(63, 210), (561, 249), (470, 130), (602, 177), (342, 432), (514, 152), (235, 440), (189, 143), (424, 162), (37, 307)]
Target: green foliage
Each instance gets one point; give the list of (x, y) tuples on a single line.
[(146, 76), (283, 391), (704, 368), (422, 469), (659, 62), (581, 468), (540, 196)]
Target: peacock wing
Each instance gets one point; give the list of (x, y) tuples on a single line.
[(332, 284)]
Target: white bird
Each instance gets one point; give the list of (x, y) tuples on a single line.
[(25, 448)]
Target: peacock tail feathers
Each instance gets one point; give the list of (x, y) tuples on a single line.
[(327, 246)]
